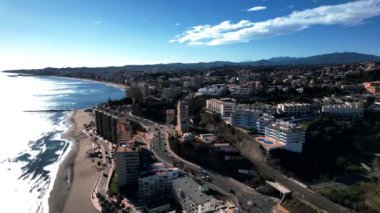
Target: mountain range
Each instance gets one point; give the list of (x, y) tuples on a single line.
[(324, 59)]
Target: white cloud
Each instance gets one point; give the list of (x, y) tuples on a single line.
[(97, 22), (352, 13), (257, 8), (177, 24)]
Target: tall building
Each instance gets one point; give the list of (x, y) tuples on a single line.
[(245, 118), (127, 157), (138, 93), (182, 117), (289, 134), (170, 116), (106, 124)]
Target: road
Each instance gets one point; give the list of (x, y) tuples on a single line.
[(298, 190), (227, 186)]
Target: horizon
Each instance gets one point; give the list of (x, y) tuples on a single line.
[(36, 35)]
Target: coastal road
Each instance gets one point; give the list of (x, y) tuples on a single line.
[(298, 190), (240, 193)]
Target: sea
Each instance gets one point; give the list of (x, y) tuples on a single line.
[(31, 143)]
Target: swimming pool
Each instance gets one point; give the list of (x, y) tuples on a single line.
[(262, 140)]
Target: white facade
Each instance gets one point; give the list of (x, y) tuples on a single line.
[(287, 133), (263, 121), (191, 197), (347, 110), (294, 108), (156, 182), (224, 107), (213, 90), (245, 118)]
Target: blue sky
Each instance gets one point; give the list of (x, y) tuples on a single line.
[(62, 33)]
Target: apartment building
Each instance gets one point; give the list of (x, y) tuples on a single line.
[(183, 125), (263, 121), (289, 134), (156, 182), (127, 158), (294, 108), (106, 123), (372, 87), (191, 196), (223, 106), (347, 110), (245, 118)]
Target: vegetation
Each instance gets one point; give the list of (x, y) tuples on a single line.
[(113, 188), (296, 206), (332, 149), (353, 196)]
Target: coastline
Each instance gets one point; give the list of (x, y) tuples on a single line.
[(76, 174)]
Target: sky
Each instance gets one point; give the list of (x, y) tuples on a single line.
[(76, 33)]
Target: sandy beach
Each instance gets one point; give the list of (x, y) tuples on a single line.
[(77, 175)]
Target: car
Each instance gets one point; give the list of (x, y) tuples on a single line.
[(105, 175), (250, 203), (232, 191)]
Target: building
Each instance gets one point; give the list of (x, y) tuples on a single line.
[(294, 108), (138, 93), (245, 118), (127, 157), (187, 137), (106, 123), (286, 133), (372, 87), (156, 182), (171, 92), (223, 106), (207, 138), (263, 121), (182, 117), (213, 90), (191, 196), (170, 116), (346, 111)]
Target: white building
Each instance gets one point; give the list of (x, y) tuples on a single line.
[(207, 138), (156, 182), (294, 108), (263, 121), (245, 118), (190, 195), (289, 134), (346, 110), (213, 90), (223, 106)]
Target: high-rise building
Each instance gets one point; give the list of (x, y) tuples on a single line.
[(127, 157), (138, 93), (106, 124), (182, 117)]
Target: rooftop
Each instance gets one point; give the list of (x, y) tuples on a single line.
[(192, 190), (126, 146)]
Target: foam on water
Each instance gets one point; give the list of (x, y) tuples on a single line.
[(31, 145)]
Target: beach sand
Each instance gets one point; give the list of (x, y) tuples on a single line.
[(77, 175)]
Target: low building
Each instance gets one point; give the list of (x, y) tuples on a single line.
[(286, 133), (245, 118), (294, 108), (187, 137), (263, 121), (223, 106), (127, 158), (213, 90), (191, 196), (345, 111), (207, 138), (372, 87), (156, 182)]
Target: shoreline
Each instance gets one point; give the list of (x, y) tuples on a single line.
[(75, 174)]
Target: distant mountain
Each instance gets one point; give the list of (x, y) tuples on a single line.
[(325, 59), (332, 58)]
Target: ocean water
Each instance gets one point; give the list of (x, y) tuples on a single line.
[(31, 147)]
